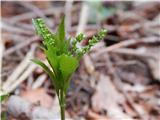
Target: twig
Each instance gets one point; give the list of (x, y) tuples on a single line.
[(14, 37), (29, 15), (127, 43), (18, 81), (39, 81), (18, 71), (83, 18), (10, 28), (1, 56), (119, 85), (68, 12), (89, 64), (26, 26), (132, 52), (37, 11), (21, 45)]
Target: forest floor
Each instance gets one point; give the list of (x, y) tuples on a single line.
[(119, 79)]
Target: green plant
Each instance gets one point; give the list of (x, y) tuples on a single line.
[(3, 97), (63, 56)]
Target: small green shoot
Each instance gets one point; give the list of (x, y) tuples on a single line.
[(63, 55), (3, 95)]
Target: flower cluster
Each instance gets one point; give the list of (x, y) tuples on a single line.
[(92, 42)]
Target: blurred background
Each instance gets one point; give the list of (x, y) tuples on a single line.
[(119, 79)]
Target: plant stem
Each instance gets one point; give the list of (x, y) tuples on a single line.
[(62, 104), (62, 113)]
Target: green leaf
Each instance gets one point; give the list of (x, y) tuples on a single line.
[(61, 30), (46, 69), (52, 57), (67, 64), (3, 115), (3, 97), (61, 43), (50, 73)]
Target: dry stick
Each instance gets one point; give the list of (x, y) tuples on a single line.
[(89, 64), (15, 37), (1, 55), (39, 81), (119, 28), (68, 12), (127, 43), (83, 20), (10, 28), (133, 52), (21, 67), (19, 70), (18, 81), (88, 27), (146, 25), (25, 26), (23, 77), (119, 86), (30, 15), (21, 45), (37, 11), (134, 27)]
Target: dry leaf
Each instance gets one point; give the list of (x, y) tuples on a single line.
[(94, 116), (107, 98), (38, 96)]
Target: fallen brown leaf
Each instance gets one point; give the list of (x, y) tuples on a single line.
[(94, 116), (107, 98), (38, 96)]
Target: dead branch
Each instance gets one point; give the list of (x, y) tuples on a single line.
[(39, 81), (88, 64), (30, 15), (38, 11), (133, 52), (14, 29), (14, 37), (21, 45), (127, 43), (18, 76), (68, 14), (1, 55), (83, 18)]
